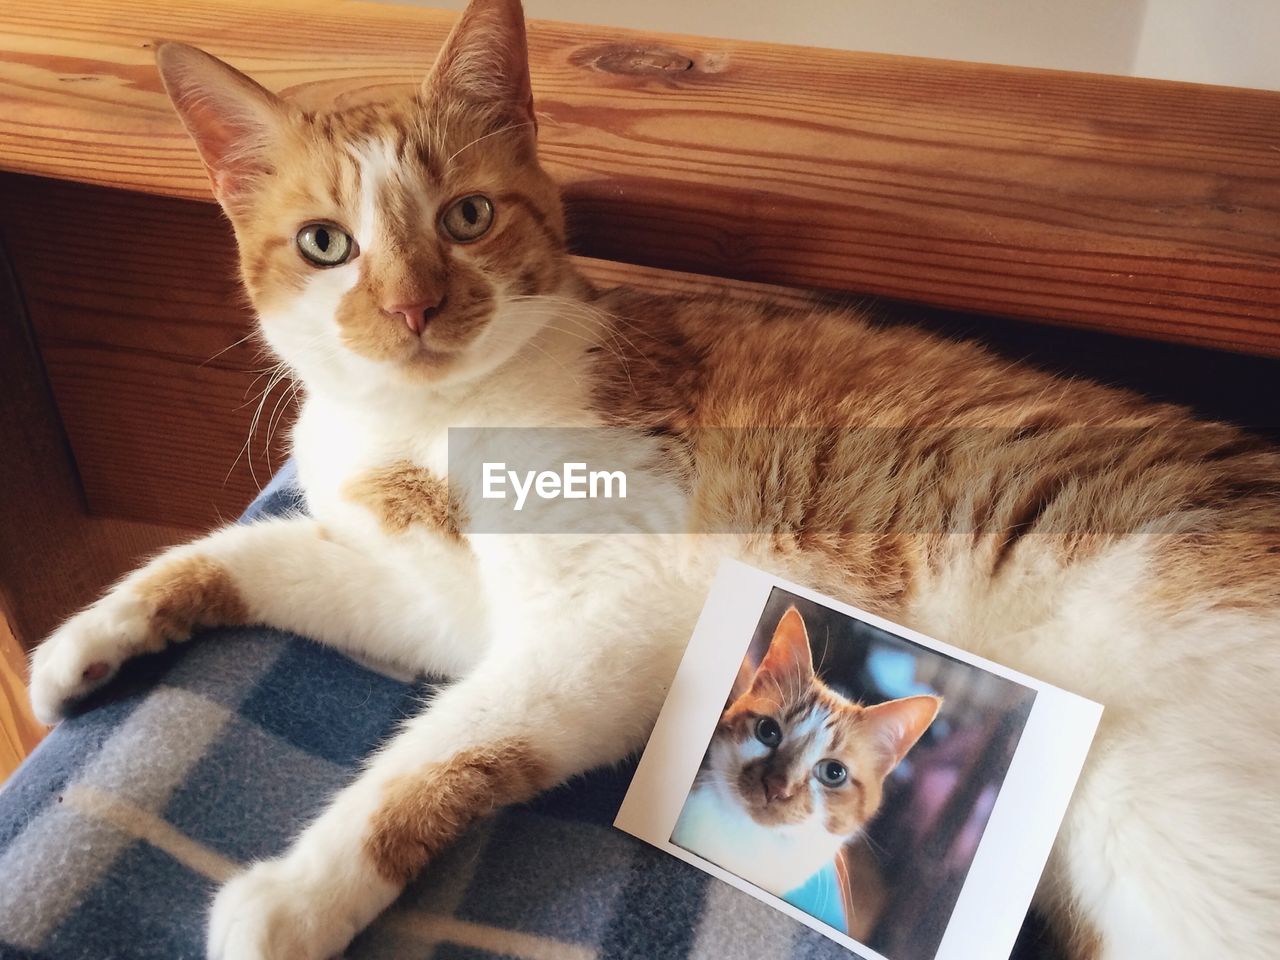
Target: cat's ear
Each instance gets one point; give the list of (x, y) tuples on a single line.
[(898, 724), (788, 662), (485, 62), (233, 120)]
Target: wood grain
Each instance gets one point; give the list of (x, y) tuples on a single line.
[(1146, 207), (20, 731), (142, 327), (54, 556)]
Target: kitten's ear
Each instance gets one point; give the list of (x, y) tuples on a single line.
[(788, 662), (485, 62), (233, 120), (898, 724)]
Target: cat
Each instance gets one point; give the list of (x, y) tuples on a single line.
[(407, 260), (794, 770)]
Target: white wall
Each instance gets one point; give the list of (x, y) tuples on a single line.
[(1235, 42)]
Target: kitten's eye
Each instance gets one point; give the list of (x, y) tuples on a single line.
[(469, 218), (831, 772), (325, 244), (768, 732)]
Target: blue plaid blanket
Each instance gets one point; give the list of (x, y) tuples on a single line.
[(116, 830)]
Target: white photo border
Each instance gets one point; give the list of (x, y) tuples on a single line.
[(1029, 807)]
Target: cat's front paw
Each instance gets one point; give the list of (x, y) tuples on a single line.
[(85, 652), (272, 911)]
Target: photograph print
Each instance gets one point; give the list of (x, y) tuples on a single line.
[(852, 773)]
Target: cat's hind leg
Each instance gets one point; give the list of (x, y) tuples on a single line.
[(284, 573), (1170, 848)]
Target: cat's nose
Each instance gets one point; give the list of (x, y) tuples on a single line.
[(416, 314), (775, 788)]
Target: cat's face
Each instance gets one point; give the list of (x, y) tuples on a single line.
[(793, 752), (396, 241)]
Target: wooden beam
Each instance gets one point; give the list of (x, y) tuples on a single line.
[(1138, 206)]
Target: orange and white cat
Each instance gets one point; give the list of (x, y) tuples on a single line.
[(794, 770), (407, 260)]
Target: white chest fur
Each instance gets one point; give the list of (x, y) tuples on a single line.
[(776, 859)]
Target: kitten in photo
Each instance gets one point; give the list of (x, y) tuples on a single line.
[(794, 771), (406, 258)]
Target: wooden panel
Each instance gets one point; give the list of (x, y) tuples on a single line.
[(1141, 206), (141, 327), (54, 557), (20, 731)]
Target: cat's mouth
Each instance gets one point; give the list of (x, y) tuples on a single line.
[(427, 361), (439, 349), (425, 349), (423, 341), (771, 800)]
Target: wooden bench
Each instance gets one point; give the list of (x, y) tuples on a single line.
[(1138, 207)]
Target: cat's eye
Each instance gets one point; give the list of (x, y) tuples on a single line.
[(768, 732), (325, 244), (469, 218), (831, 773)]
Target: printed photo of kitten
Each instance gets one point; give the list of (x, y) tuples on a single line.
[(852, 774)]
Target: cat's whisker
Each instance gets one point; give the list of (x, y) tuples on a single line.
[(777, 686), (598, 330), (521, 343), (265, 372), (280, 409), (243, 447), (558, 362), (605, 321), (467, 146), (581, 329), (278, 374), (231, 346), (826, 648), (583, 333), (280, 378), (876, 851)]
